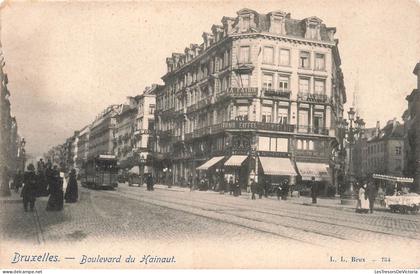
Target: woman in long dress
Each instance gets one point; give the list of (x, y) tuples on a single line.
[(55, 202), (363, 200), (72, 194)]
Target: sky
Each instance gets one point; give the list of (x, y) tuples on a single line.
[(67, 61)]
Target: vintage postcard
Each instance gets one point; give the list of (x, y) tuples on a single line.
[(210, 135)]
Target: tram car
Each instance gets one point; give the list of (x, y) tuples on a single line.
[(100, 172)]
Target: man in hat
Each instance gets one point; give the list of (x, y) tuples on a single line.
[(29, 188)]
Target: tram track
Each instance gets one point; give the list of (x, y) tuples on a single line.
[(292, 217), (242, 221)]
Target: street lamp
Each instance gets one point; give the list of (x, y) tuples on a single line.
[(142, 161), (350, 133)]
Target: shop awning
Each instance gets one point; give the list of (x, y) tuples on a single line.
[(393, 178), (210, 163), (235, 160), (309, 170), (277, 166)]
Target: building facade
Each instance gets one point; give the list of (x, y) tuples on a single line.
[(12, 154), (123, 133), (260, 89), (101, 132), (412, 132), (82, 146), (383, 151)]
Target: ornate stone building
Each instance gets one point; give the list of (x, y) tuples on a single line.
[(412, 132), (259, 97)]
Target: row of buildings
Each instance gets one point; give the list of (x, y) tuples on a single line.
[(12, 146), (259, 98), (123, 130), (393, 150)]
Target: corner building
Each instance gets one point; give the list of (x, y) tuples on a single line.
[(259, 98)]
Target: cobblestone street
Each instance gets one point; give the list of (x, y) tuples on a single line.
[(170, 214), (176, 216)]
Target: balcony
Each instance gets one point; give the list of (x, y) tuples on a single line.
[(238, 93), (276, 93), (313, 130), (258, 126), (313, 97), (311, 153)]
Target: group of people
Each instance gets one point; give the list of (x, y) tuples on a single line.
[(366, 197), (46, 181)]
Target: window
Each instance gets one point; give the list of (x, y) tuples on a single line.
[(282, 144), (268, 81), (320, 86), (304, 85), (284, 57), (268, 55), (266, 114), (398, 150), (319, 61), (318, 122), (244, 80), (242, 113), (277, 25), (246, 23), (303, 119), (263, 143), (282, 115), (283, 83), (304, 59), (244, 54)]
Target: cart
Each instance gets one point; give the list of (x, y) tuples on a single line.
[(134, 177), (400, 201)]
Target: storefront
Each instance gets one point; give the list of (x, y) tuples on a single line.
[(276, 170), (318, 171)]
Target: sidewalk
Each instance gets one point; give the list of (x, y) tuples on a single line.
[(323, 202), (13, 198)]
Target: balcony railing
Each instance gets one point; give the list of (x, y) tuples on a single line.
[(313, 130), (238, 92), (312, 97), (276, 93), (258, 126)]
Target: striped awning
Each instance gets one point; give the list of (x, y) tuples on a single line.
[(210, 163), (393, 178), (235, 160), (309, 170), (277, 166)]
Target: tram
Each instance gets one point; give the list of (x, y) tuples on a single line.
[(100, 172)]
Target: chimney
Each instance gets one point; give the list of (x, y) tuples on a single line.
[(378, 128)]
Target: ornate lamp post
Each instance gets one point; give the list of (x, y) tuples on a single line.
[(350, 133), (142, 162)]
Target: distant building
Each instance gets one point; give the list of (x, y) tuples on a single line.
[(123, 133), (260, 97), (411, 119), (101, 135), (10, 141), (382, 150), (82, 146)]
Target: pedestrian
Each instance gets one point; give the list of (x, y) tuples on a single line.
[(230, 185), (314, 190), (285, 189), (149, 182), (279, 191), (363, 200), (237, 186), (55, 188), (29, 188), (72, 193), (254, 188), (260, 189), (371, 193), (18, 181), (267, 186)]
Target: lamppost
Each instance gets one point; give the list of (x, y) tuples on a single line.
[(350, 134), (22, 154), (142, 161)]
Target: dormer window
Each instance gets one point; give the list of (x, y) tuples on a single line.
[(246, 23), (313, 28)]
